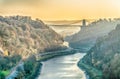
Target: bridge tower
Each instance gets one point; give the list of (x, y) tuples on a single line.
[(83, 22)]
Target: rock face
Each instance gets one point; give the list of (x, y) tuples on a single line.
[(24, 36), (87, 36), (105, 55)]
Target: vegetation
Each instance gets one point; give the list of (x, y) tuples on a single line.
[(7, 63), (21, 38), (94, 73), (3, 74), (32, 68), (105, 55)]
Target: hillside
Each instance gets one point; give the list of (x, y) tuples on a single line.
[(87, 36), (24, 36), (21, 42), (105, 55)]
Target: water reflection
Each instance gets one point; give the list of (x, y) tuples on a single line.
[(64, 67)]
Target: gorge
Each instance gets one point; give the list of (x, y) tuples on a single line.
[(31, 49), (59, 39), (100, 40)]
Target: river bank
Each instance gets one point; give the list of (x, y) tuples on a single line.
[(48, 55), (37, 68), (91, 71), (20, 72), (44, 57)]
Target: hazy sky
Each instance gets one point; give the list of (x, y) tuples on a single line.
[(61, 9)]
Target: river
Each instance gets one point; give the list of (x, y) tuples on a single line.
[(63, 67)]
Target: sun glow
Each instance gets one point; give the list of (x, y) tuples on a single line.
[(61, 9)]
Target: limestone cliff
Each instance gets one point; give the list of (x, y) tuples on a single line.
[(24, 36)]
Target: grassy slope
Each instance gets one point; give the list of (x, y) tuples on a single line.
[(5, 72)]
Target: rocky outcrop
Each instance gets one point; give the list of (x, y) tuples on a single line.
[(86, 37), (105, 55), (24, 36)]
